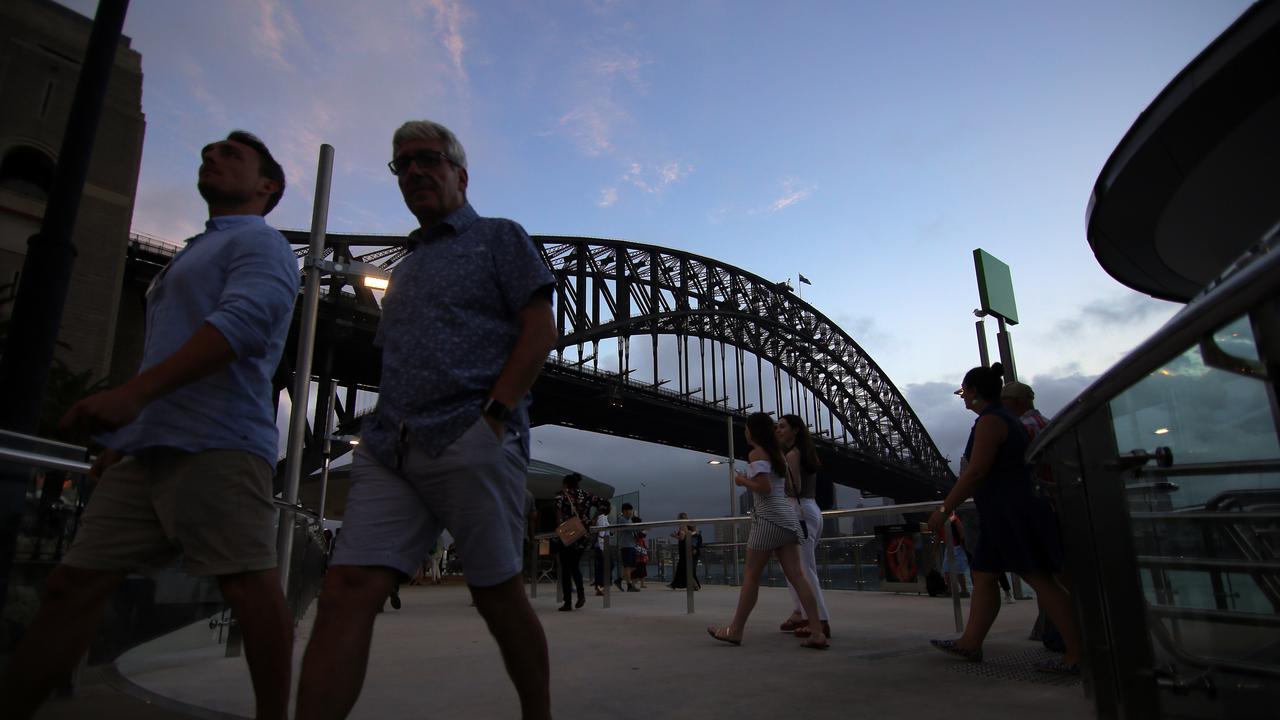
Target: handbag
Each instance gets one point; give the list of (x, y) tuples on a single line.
[(572, 529)]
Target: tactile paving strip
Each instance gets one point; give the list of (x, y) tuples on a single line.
[(1017, 666)]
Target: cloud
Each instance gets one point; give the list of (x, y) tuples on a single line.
[(608, 197), (793, 191), (948, 422), (1123, 310), (275, 27), (450, 16), (655, 178), (624, 65), (589, 127)]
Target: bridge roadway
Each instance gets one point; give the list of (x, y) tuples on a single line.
[(643, 658)]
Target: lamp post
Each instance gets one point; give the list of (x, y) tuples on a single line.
[(316, 266)]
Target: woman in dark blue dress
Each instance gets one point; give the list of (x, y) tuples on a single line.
[(1017, 530)]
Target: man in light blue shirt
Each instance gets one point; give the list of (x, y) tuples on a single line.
[(191, 440)]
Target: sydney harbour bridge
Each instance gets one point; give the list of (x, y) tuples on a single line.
[(661, 345), (657, 345)]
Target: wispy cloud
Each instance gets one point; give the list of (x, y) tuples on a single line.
[(589, 127), (276, 26), (792, 193), (621, 65), (608, 196), (1119, 311), (450, 16), (655, 179)]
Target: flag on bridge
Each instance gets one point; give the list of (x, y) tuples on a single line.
[(805, 280)]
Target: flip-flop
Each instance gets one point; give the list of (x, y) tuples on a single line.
[(716, 633), (791, 625), (951, 648), (810, 644), (803, 632)]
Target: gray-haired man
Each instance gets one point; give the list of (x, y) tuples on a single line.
[(466, 326)]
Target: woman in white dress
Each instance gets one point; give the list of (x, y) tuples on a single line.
[(775, 530), (802, 461)]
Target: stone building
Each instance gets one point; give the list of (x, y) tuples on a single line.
[(41, 48)]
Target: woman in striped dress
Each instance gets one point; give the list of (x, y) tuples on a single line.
[(775, 530)]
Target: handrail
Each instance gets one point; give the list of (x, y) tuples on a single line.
[(880, 510), (40, 460)]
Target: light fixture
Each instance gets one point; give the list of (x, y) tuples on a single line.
[(1165, 372), (376, 283), (1162, 431), (715, 462)]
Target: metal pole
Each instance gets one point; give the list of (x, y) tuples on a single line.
[(608, 572), (302, 366), (1005, 342), (688, 573), (733, 496), (328, 449), (955, 593), (983, 354)]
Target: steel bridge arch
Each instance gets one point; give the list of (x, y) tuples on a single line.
[(689, 295), (616, 289)]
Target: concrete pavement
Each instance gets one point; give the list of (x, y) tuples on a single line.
[(646, 658)]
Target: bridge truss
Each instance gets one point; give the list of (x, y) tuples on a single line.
[(741, 342)]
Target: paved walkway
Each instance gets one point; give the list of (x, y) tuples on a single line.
[(646, 658)]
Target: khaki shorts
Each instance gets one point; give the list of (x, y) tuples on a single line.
[(213, 508), (474, 489)]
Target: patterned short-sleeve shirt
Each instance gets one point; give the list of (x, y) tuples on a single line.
[(450, 319)]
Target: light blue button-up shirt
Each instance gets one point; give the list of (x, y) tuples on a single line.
[(241, 277)]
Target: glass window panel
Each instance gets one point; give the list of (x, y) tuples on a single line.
[(1193, 568)]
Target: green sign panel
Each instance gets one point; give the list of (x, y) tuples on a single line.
[(995, 286)]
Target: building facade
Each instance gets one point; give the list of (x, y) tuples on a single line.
[(41, 48)]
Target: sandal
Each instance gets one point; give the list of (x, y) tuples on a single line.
[(1058, 666), (814, 645), (722, 634), (791, 625), (803, 631), (951, 648)]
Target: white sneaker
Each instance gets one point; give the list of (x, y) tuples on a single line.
[(1008, 599)]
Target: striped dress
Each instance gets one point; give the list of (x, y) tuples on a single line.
[(775, 522)]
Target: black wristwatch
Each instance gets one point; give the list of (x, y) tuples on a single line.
[(496, 410)]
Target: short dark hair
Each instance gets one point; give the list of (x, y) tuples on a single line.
[(267, 165), (572, 480), (626, 507)]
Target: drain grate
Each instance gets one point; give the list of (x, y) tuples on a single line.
[(1017, 666)]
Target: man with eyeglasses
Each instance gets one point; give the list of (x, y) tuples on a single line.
[(191, 441), (466, 326)]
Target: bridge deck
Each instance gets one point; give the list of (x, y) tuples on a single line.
[(646, 658)]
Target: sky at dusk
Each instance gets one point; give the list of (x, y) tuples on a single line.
[(870, 146)]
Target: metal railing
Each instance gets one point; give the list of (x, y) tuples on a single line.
[(905, 508)]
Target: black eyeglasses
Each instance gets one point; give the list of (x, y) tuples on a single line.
[(424, 159)]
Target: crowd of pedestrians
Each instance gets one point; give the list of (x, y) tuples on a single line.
[(189, 445)]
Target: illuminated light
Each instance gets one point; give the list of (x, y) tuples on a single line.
[(715, 462), (1235, 334), (354, 441), (1164, 372), (1162, 431), (376, 283)]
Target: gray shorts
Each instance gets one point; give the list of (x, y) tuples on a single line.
[(212, 507), (475, 489)]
